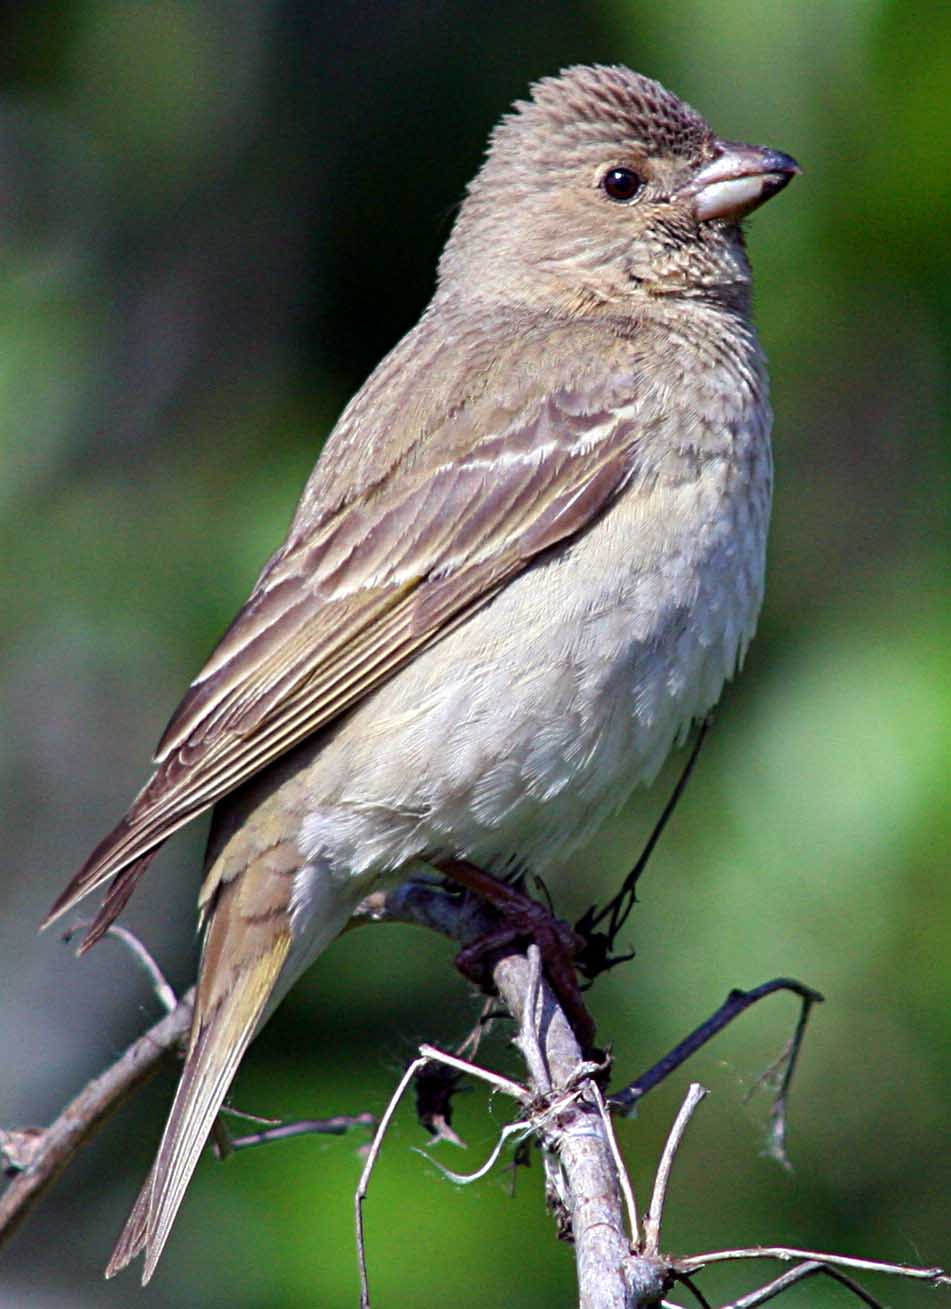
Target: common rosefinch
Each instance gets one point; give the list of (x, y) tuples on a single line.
[(529, 556)]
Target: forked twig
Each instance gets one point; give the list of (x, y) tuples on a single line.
[(427, 1054), (736, 1003), (570, 1120), (372, 1155), (583, 1166), (814, 1264)]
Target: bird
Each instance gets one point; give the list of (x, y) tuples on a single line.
[(529, 556)]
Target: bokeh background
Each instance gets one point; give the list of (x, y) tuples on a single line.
[(214, 220)]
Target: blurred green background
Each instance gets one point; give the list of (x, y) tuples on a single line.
[(215, 220)]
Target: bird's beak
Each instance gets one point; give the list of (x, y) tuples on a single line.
[(737, 180)]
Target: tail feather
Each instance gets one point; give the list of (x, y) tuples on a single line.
[(132, 1240), (219, 1040)]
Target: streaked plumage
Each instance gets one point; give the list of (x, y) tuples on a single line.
[(529, 556)]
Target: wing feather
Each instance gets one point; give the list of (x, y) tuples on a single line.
[(344, 605)]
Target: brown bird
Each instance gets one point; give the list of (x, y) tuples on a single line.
[(529, 556)]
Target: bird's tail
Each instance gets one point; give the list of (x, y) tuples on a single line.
[(220, 1035)]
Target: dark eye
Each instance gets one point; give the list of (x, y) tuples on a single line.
[(621, 183)]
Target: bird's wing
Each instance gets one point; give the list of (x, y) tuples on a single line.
[(342, 606)]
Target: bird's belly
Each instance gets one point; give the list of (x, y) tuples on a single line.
[(510, 740)]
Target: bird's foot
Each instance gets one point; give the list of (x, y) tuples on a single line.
[(523, 920)]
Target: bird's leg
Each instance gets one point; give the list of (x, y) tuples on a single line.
[(523, 918)]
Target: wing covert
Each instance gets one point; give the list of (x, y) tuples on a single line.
[(340, 608)]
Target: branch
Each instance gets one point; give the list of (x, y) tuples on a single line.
[(35, 1157), (736, 1003), (785, 1253), (584, 1182), (583, 1177), (662, 1180), (52, 1149), (562, 1105)]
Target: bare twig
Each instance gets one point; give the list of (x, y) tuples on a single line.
[(654, 1216), (427, 1054), (85, 1114), (625, 1182), (338, 1125), (785, 1253), (561, 1104), (163, 992), (500, 1083), (779, 1116), (372, 1155), (810, 1269), (736, 1003), (511, 1131), (528, 1040)]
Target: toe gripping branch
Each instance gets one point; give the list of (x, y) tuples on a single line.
[(565, 952)]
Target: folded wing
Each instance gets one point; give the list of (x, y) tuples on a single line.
[(343, 605)]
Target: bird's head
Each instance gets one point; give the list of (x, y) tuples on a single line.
[(602, 187)]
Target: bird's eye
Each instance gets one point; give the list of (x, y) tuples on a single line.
[(621, 183)]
